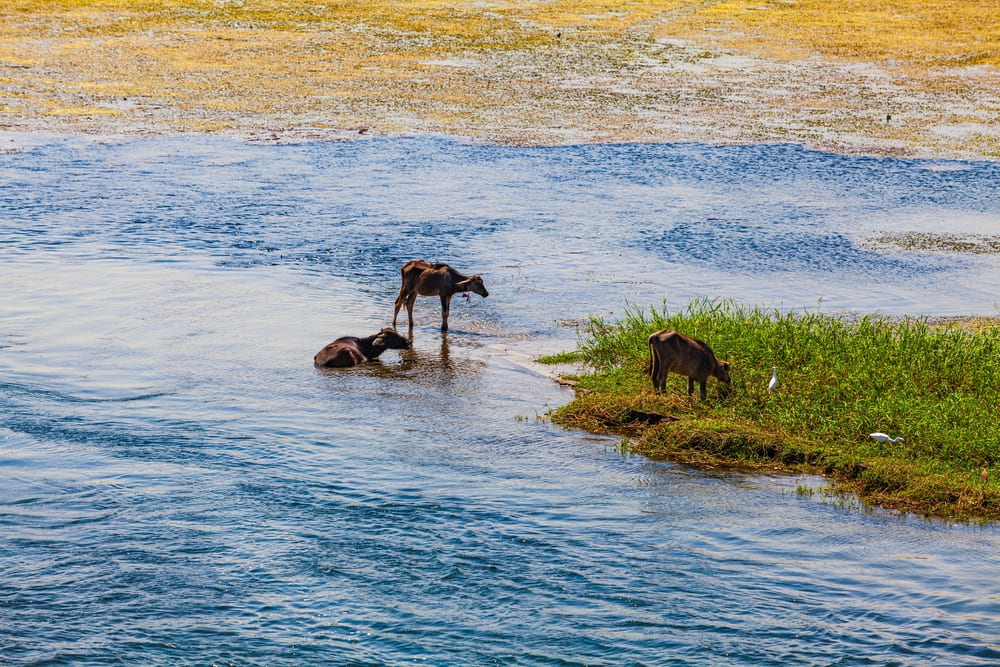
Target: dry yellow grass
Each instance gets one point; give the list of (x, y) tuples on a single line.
[(915, 35), (818, 73)]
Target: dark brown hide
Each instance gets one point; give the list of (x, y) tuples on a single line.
[(420, 278), (673, 352), (351, 350)]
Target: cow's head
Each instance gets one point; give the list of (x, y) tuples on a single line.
[(722, 372), (473, 284), (391, 339)]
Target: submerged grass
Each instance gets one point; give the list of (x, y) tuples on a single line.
[(839, 378)]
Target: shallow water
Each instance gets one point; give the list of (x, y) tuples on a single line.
[(181, 486)]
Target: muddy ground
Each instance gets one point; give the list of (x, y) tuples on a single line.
[(891, 81)]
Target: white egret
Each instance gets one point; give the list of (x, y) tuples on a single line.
[(882, 437), (774, 379)]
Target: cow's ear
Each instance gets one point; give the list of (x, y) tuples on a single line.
[(379, 339), (725, 364)]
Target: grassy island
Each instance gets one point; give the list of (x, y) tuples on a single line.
[(935, 383)]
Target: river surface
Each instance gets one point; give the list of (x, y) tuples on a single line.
[(179, 485)]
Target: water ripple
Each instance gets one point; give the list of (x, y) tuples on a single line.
[(181, 486)]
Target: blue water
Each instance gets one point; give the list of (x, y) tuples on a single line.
[(178, 484)]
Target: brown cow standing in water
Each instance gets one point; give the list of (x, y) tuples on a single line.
[(673, 352), (420, 278), (351, 350)]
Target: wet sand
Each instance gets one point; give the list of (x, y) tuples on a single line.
[(520, 73)]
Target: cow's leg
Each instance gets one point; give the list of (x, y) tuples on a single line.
[(357, 357), (400, 300), (445, 306), (691, 386), (703, 383), (662, 370), (661, 375), (410, 299)]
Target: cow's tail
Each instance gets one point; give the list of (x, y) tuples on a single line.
[(654, 361)]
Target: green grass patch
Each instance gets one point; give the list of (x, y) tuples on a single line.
[(935, 383)]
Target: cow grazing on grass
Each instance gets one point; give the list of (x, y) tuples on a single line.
[(420, 278), (351, 350), (673, 352)]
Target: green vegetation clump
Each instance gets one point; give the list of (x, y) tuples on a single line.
[(840, 378)]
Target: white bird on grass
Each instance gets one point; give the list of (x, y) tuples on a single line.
[(882, 437), (774, 379)]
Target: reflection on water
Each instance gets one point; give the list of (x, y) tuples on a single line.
[(181, 485), (432, 363)]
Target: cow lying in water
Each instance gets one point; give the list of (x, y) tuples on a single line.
[(351, 350), (673, 352), (420, 278)]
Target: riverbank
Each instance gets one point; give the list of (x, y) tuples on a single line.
[(839, 379), (905, 79)]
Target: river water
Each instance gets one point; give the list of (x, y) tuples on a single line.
[(179, 485)]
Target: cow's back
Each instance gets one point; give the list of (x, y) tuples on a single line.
[(412, 270), (435, 280), (415, 266), (345, 351)]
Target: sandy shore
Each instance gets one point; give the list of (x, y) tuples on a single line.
[(518, 73)]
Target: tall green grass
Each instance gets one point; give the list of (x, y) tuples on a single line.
[(839, 379)]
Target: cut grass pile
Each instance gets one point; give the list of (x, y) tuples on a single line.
[(839, 379)]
